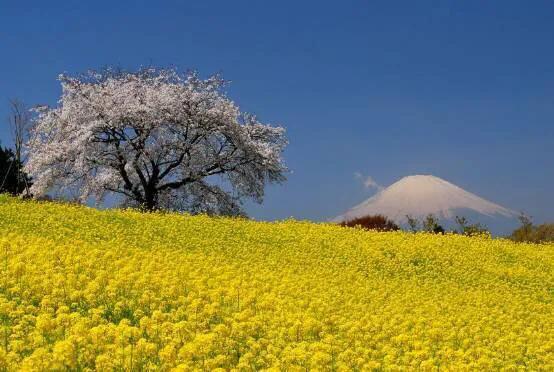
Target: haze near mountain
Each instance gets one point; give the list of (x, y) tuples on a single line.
[(421, 195)]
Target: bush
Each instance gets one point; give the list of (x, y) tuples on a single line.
[(528, 232), (413, 223), (544, 232), (377, 222), (431, 224), (470, 229)]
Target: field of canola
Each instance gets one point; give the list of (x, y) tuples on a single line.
[(82, 289)]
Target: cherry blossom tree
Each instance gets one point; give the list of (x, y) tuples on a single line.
[(159, 138)]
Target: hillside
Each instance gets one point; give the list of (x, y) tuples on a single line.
[(81, 288)]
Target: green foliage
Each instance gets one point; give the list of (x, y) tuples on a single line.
[(9, 167)]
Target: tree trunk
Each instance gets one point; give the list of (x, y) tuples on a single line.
[(150, 199)]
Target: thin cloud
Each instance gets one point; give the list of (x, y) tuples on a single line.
[(367, 181)]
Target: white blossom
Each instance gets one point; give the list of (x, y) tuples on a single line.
[(157, 137)]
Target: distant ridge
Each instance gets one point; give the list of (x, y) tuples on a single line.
[(420, 195)]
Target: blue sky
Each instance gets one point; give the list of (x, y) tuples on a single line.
[(463, 90)]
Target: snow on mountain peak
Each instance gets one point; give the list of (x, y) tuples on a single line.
[(420, 195)]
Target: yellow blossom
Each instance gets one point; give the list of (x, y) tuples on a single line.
[(122, 290)]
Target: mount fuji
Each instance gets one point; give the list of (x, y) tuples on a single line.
[(421, 195)]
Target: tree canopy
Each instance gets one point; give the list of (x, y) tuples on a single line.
[(159, 138)]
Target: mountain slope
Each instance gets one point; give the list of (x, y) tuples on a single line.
[(421, 195)]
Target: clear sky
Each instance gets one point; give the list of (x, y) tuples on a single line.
[(463, 90)]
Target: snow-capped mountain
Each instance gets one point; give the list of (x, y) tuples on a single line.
[(421, 195)]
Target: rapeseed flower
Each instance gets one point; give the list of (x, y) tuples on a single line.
[(87, 289)]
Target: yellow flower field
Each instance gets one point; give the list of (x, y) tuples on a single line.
[(82, 289)]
